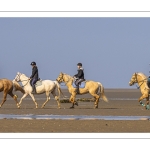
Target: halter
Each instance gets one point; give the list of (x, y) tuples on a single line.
[(22, 81)]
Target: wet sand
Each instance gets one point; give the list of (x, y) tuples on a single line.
[(121, 103)]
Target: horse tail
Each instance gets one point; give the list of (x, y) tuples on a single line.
[(59, 89), (102, 92), (18, 87)]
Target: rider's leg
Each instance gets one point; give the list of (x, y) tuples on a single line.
[(33, 86), (77, 84)]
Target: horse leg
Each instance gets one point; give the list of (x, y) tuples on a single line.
[(4, 98), (36, 105), (48, 98), (72, 100), (15, 98), (22, 98), (96, 99), (56, 98), (147, 103), (141, 98)]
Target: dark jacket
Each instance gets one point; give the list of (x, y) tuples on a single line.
[(80, 74), (35, 74)]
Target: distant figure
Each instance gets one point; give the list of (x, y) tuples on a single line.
[(79, 77), (34, 77)]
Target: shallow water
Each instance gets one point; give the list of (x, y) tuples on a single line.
[(72, 117)]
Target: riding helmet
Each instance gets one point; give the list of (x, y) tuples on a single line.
[(33, 63), (79, 64)]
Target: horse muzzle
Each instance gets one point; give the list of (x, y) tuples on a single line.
[(130, 83)]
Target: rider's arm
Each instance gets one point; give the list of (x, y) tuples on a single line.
[(33, 72), (80, 73)]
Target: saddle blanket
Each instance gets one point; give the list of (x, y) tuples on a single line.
[(82, 85), (38, 83)]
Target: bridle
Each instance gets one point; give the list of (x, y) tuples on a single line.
[(139, 81), (22, 80), (66, 81)]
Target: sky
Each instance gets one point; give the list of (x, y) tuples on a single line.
[(110, 49)]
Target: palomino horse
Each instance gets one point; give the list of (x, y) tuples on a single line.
[(141, 79), (47, 87), (7, 86), (91, 87)]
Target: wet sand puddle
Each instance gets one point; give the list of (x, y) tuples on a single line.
[(72, 117)]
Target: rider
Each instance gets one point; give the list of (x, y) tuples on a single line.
[(79, 77), (34, 77)]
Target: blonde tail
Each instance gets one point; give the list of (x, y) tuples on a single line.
[(59, 89), (102, 92)]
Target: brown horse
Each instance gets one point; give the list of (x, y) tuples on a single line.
[(141, 79), (7, 86), (91, 87)]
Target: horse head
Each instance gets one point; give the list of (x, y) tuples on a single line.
[(63, 78), (133, 79), (17, 78), (60, 78)]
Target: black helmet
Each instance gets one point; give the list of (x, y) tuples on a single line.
[(33, 63), (79, 64)]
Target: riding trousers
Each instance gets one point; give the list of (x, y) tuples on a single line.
[(33, 81), (77, 82)]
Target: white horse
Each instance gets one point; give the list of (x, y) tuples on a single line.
[(47, 87)]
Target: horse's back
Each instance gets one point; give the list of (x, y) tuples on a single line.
[(50, 82), (5, 83), (47, 84)]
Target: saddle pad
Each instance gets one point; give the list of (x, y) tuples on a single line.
[(38, 83), (82, 85)]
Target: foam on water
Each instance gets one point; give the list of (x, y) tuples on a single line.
[(72, 117)]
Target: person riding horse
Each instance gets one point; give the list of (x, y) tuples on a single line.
[(79, 77), (34, 77)]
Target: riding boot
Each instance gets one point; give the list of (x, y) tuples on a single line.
[(34, 90), (77, 90)]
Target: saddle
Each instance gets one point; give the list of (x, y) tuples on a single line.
[(81, 85), (38, 83)]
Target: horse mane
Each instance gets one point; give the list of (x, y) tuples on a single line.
[(24, 75), (67, 75), (142, 74)]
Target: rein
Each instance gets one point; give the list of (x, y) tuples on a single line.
[(25, 84), (66, 81), (139, 82), (22, 81)]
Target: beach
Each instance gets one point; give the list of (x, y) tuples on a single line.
[(122, 103)]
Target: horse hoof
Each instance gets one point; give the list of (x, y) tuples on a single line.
[(96, 107), (147, 107), (71, 107), (76, 103)]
